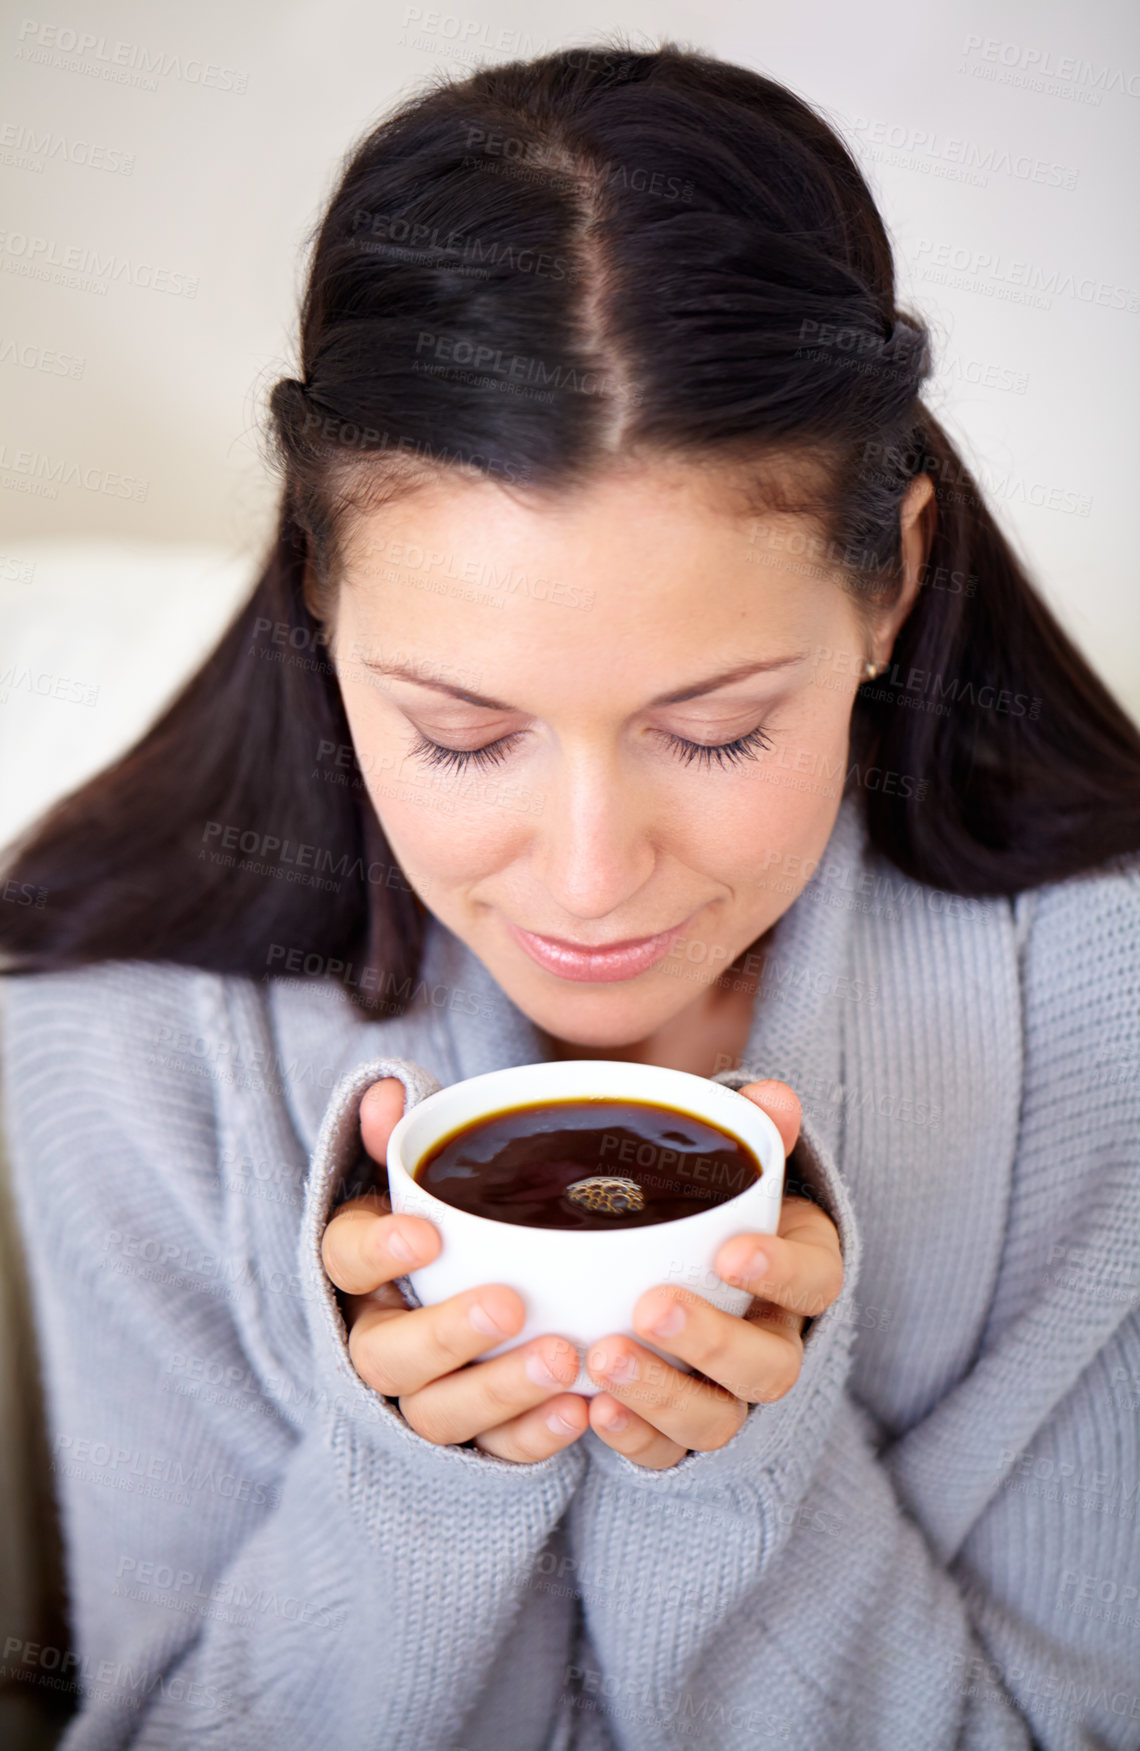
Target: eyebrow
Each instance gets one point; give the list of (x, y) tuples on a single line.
[(405, 672)]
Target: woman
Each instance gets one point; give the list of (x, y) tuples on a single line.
[(637, 672)]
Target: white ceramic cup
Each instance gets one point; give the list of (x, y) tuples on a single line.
[(582, 1284)]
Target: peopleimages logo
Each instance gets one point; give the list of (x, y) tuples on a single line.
[(1022, 281), (20, 253), (25, 148), (954, 154), (49, 45), (54, 472), (1045, 64)]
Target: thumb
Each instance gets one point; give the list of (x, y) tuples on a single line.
[(381, 1107), (782, 1106)]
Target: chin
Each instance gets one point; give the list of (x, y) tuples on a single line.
[(599, 1016)]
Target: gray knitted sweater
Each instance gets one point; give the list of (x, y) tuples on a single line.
[(932, 1541)]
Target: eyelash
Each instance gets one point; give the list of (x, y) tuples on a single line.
[(746, 747)]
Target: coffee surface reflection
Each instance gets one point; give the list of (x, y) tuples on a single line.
[(591, 1164)]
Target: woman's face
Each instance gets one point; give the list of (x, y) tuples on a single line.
[(597, 646)]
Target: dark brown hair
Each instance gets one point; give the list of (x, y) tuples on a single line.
[(673, 257)]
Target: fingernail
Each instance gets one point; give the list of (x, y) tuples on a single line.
[(399, 1248), (754, 1266), (537, 1371), (621, 1369), (670, 1323), (481, 1321), (614, 1420), (558, 1425)]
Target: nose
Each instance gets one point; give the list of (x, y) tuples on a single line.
[(595, 846)]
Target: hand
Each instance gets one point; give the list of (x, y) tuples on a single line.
[(516, 1405), (655, 1414)]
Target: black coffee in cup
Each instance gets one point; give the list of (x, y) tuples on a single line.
[(591, 1164)]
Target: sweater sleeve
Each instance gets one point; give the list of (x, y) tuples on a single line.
[(249, 1562), (973, 1587)]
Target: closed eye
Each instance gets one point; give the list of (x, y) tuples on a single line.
[(435, 754), (746, 747)]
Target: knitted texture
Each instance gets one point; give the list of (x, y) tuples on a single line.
[(932, 1541)]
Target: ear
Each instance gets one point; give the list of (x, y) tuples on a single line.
[(918, 517), (309, 590), (316, 600)]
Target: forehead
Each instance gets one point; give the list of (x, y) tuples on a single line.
[(722, 503), (601, 598)]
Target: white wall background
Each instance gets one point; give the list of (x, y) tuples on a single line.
[(1000, 140)]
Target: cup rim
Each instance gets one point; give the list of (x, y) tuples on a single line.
[(757, 1116)]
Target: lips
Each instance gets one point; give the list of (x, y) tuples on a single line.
[(596, 948), (604, 965)]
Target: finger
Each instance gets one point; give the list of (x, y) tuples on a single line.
[(539, 1432), (626, 1432), (381, 1106), (398, 1353), (698, 1414), (361, 1246), (770, 1318), (782, 1105), (756, 1359), (387, 1295), (476, 1400), (801, 1268)]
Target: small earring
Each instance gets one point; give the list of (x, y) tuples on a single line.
[(872, 669)]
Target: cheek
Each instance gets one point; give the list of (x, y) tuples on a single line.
[(437, 835), (780, 821), (774, 824)]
